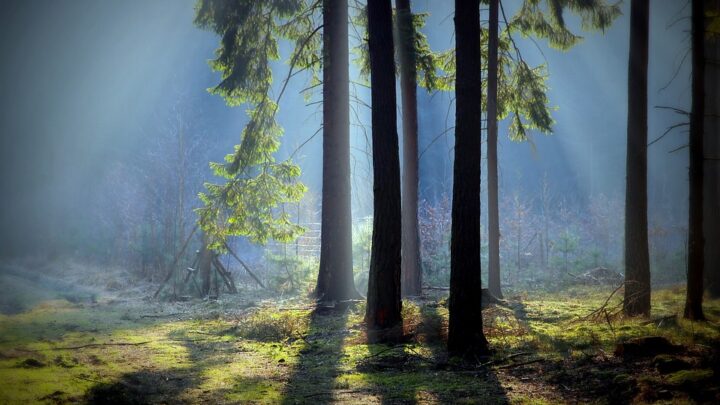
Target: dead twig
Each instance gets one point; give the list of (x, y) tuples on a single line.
[(160, 315), (90, 345), (504, 359), (305, 308), (430, 287), (524, 363), (658, 321), (204, 333), (602, 310)]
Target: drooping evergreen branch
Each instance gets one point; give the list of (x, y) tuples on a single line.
[(247, 204)]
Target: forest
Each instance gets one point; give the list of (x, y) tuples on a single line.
[(360, 201)]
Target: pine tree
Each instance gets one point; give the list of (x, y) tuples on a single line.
[(711, 193), (637, 262), (383, 318), (255, 184), (335, 277), (696, 242), (411, 268), (492, 160), (465, 333)]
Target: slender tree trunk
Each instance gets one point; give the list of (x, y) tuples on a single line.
[(411, 268), (465, 334), (205, 266), (335, 278), (696, 242), (180, 237), (711, 195), (541, 249), (517, 252), (637, 262), (492, 160), (384, 322), (546, 221)]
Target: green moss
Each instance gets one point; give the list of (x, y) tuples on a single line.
[(29, 385), (256, 391), (689, 378), (621, 379), (528, 399), (273, 355), (270, 325)]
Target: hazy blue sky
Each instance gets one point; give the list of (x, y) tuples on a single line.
[(86, 83)]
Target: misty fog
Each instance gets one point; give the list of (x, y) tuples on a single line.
[(111, 142)]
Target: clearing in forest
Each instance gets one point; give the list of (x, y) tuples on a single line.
[(247, 348)]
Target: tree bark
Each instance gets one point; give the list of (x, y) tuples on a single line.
[(492, 160), (335, 278), (637, 262), (711, 195), (696, 242), (383, 319), (411, 266), (465, 334)]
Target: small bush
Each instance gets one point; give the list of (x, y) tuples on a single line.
[(269, 325)]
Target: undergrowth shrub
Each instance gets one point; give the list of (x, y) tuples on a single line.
[(272, 325), (290, 274)]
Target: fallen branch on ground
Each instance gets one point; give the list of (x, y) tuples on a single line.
[(660, 320), (606, 312), (160, 315), (89, 345), (245, 266), (524, 363)]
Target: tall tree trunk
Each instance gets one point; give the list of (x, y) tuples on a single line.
[(696, 242), (637, 262), (180, 237), (465, 334), (546, 221), (411, 268), (711, 195), (335, 277), (205, 266), (384, 322), (492, 160)]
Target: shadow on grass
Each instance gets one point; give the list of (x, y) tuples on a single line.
[(313, 378), (522, 316), (142, 387), (588, 372), (205, 362), (420, 372)]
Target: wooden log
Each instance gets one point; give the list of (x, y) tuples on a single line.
[(175, 261), (225, 275), (254, 277)]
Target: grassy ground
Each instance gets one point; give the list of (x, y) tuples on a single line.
[(548, 348)]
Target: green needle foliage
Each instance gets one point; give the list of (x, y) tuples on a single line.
[(521, 88), (250, 201), (544, 19), (522, 92), (429, 65)]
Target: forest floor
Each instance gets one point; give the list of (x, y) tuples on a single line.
[(103, 344)]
